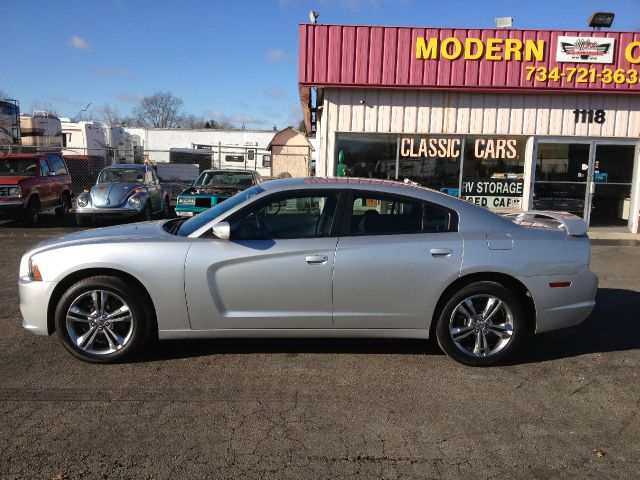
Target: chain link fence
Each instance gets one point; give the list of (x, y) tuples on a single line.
[(176, 168)]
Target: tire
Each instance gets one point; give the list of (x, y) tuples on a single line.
[(82, 221), (165, 209), (63, 210), (147, 214), (481, 342), (96, 339), (31, 214)]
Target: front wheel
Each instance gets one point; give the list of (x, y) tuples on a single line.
[(31, 215), (102, 319), (481, 324)]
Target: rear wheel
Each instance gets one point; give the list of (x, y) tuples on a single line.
[(481, 324), (31, 215), (102, 319), (63, 209)]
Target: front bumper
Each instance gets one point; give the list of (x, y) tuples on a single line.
[(11, 207), (558, 308), (189, 210), (34, 304), (107, 212)]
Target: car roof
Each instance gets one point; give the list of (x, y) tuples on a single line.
[(29, 156), (135, 166), (227, 170)]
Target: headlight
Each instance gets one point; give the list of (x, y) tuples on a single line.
[(186, 201), (134, 201), (15, 192), (83, 201)]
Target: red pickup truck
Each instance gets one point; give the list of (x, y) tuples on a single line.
[(31, 184)]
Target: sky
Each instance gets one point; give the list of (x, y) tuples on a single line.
[(233, 61)]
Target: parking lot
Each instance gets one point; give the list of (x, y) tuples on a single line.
[(567, 407)]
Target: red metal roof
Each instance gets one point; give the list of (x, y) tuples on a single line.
[(385, 57)]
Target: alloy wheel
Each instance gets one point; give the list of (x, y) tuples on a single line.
[(99, 322), (481, 325)]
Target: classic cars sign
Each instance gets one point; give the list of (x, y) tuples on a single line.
[(585, 49)]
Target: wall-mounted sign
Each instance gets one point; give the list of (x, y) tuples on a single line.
[(585, 49), (493, 193), (345, 56)]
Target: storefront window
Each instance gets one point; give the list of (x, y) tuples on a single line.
[(493, 171), (368, 156), (431, 161), (561, 177)]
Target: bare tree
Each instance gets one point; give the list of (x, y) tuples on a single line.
[(159, 110), (193, 121), (4, 94), (110, 115), (44, 106)]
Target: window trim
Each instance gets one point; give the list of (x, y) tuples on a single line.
[(347, 215), (335, 226)]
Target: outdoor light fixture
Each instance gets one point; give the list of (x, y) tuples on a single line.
[(504, 22), (601, 20), (313, 16)]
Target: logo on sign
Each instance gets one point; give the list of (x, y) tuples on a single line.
[(585, 49)]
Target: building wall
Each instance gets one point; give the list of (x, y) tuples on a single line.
[(421, 111)]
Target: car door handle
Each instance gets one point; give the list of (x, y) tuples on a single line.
[(317, 259), (441, 252)]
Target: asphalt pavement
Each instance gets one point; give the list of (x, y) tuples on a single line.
[(565, 407)]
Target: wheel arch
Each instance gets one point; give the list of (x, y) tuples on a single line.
[(76, 276), (509, 282)]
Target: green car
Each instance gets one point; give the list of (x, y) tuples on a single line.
[(213, 187)]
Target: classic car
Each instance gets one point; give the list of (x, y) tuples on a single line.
[(34, 183), (213, 187), (123, 191), (315, 257)]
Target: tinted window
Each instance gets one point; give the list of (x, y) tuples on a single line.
[(44, 167), (293, 216), (58, 165), (375, 214)]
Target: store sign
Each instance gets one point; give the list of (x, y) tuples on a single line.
[(430, 147), (493, 193), (585, 49)]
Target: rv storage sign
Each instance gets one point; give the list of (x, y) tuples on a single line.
[(493, 193)]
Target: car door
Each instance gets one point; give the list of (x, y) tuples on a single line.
[(392, 260), (45, 183), (57, 178), (275, 270), (150, 184)]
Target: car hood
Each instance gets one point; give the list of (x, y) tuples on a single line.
[(212, 191), (133, 232), (111, 194), (13, 179)]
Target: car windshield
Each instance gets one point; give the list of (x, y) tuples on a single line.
[(126, 175), (193, 224), (17, 166), (225, 179)]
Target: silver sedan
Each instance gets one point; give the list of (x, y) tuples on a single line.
[(315, 258)]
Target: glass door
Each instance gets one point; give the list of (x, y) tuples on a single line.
[(609, 195), (562, 172)]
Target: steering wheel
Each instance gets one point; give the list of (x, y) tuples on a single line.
[(261, 227)]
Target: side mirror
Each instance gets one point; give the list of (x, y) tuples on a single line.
[(221, 230)]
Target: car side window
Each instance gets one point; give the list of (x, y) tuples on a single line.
[(44, 167), (381, 214), (292, 216), (58, 166)]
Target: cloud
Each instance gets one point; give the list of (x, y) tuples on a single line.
[(277, 55), (273, 92), (76, 41), (236, 118), (127, 97), (111, 72)]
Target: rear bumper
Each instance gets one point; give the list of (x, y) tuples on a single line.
[(563, 307)]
